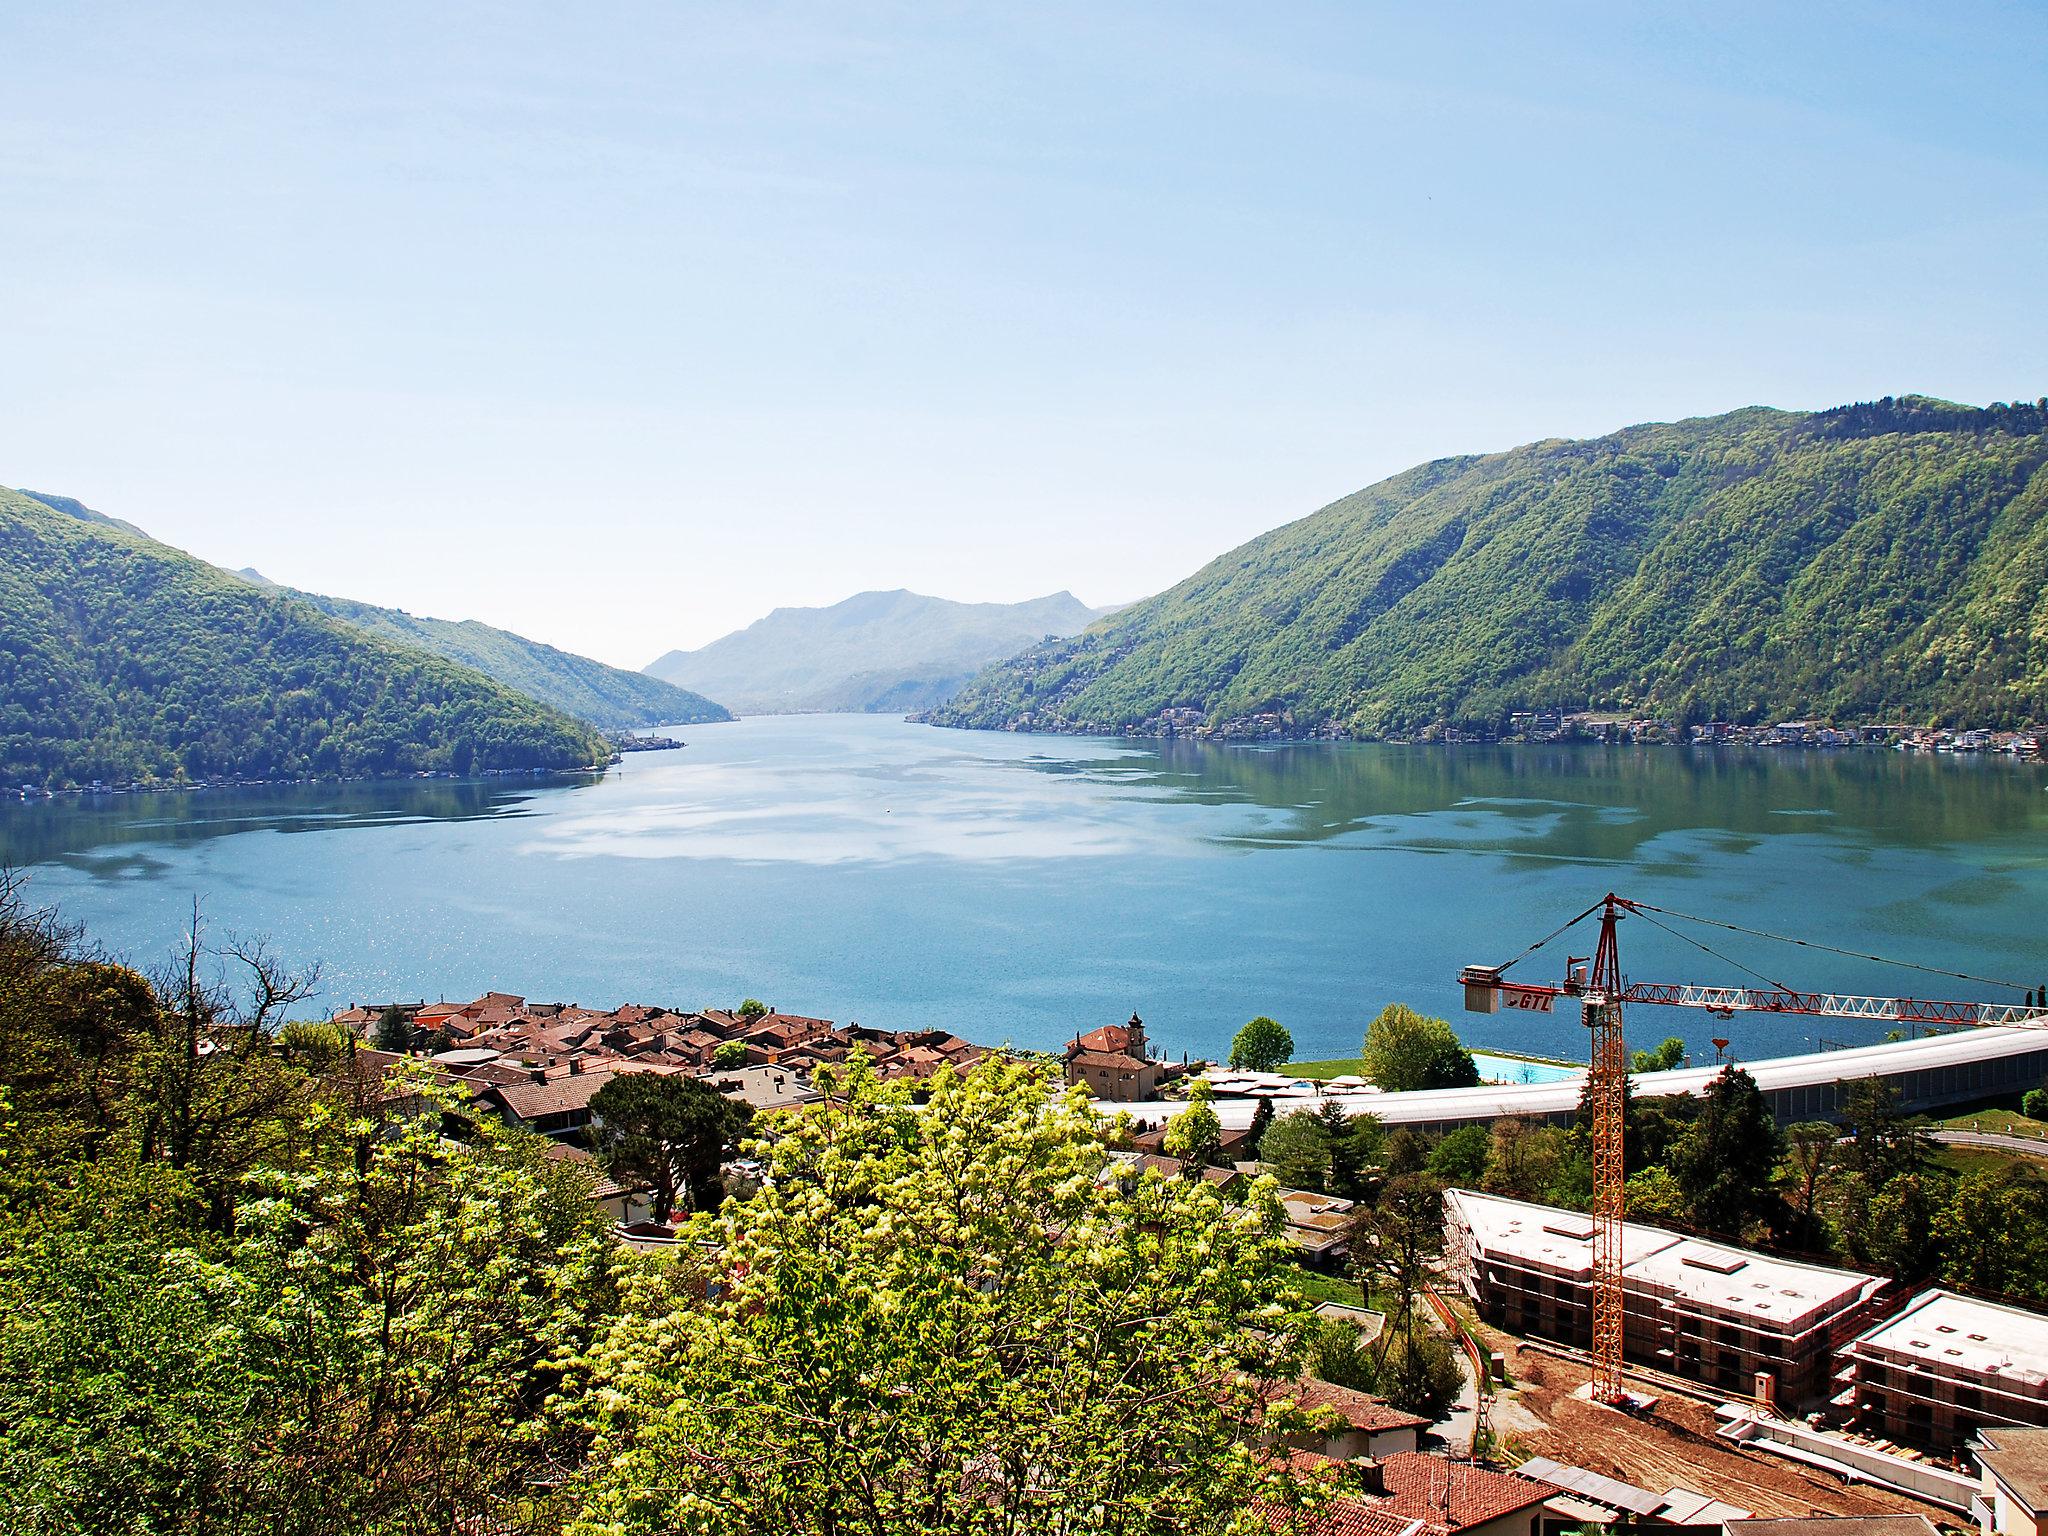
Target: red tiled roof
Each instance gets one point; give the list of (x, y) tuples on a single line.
[(1112, 1039), (1340, 1517), (1360, 1410), (1452, 1496), (1106, 1060)]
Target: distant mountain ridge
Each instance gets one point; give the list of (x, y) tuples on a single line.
[(1879, 561), (875, 651), (123, 659), (610, 698)]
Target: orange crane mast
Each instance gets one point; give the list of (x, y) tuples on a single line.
[(1596, 981)]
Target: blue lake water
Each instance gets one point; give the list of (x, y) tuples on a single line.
[(1024, 888)]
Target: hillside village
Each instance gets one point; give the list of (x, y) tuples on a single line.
[(1811, 1381)]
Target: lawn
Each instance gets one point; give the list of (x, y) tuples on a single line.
[(1322, 1071)]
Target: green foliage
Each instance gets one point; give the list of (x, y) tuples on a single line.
[(1297, 1150), (1420, 1373), (1460, 1158), (609, 698), (1406, 1050), (394, 1029), (1653, 1195), (940, 1321), (2035, 1104), (728, 1054), (1747, 566), (1261, 1046), (1667, 1056), (1336, 1351), (1883, 1141), (751, 1009), (1195, 1135), (670, 1134), (126, 660), (1725, 1160), (1992, 1233)]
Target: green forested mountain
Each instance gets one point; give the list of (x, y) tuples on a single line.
[(122, 658), (608, 697), (890, 651), (1877, 561)]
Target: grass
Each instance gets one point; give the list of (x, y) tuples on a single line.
[(1318, 1287), (1322, 1071)]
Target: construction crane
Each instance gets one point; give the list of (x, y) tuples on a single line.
[(1598, 984)]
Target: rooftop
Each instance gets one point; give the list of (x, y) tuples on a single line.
[(1960, 1333), (1719, 1276), (1836, 1525), (2018, 1458)]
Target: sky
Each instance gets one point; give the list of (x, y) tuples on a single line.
[(619, 326)]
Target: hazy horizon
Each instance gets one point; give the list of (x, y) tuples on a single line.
[(620, 332)]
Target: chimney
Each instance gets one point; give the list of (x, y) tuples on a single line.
[(540, 1074), (575, 1066), (1371, 1476)]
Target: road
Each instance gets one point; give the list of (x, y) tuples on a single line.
[(2026, 1146)]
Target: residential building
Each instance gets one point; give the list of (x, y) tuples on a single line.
[(2015, 1467), (1359, 1423), (1947, 1367), (1743, 1321), (1112, 1063)]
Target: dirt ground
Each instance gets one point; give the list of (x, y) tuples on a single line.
[(1672, 1448)]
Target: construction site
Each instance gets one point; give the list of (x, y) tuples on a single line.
[(1614, 1358)]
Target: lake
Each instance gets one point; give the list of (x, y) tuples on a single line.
[(1025, 887)]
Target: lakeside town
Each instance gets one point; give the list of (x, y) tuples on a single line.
[(1789, 1391)]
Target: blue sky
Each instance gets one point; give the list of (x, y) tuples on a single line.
[(620, 325)]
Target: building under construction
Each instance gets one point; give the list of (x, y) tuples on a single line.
[(1945, 1367), (1738, 1320)]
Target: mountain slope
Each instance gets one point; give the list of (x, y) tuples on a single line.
[(610, 698), (1870, 562), (874, 651), (122, 658)]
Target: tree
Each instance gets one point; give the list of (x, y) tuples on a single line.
[(1899, 1235), (728, 1054), (1406, 1051), (751, 1009), (1262, 1119), (2034, 1104), (394, 1029), (1460, 1158), (1992, 1232), (1397, 1240), (1195, 1135), (1667, 1056), (1808, 1146), (1358, 1144), (1653, 1195), (1261, 1046), (1725, 1160), (1297, 1150), (1884, 1141), (670, 1134), (1521, 1158), (1420, 1373), (946, 1321), (374, 1352)]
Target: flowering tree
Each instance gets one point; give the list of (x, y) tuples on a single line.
[(964, 1317)]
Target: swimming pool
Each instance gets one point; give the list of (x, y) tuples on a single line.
[(1510, 1069)]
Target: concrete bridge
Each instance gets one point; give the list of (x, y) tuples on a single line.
[(1941, 1072)]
